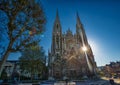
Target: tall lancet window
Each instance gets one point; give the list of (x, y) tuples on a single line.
[(57, 25), (57, 28), (57, 41)]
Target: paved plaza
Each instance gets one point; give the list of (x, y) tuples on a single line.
[(87, 82), (99, 82)]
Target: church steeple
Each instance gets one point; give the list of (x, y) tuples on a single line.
[(57, 17), (78, 20), (57, 35), (78, 23), (57, 24), (79, 30)]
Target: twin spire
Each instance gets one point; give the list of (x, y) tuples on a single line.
[(57, 24), (77, 18)]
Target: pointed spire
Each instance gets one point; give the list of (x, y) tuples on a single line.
[(57, 16), (78, 19), (57, 13)]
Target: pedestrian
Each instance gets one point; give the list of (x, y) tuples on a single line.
[(66, 80), (111, 82)]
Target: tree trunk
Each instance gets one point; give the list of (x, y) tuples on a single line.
[(3, 61), (5, 56)]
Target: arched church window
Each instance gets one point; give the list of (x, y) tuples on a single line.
[(57, 26), (57, 41)]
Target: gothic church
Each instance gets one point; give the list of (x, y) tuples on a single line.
[(67, 58)]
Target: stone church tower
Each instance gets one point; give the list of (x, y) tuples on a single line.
[(67, 59)]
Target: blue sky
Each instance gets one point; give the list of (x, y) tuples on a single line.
[(101, 21)]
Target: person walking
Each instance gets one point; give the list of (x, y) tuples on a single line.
[(111, 81)]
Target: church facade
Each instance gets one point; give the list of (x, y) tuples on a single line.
[(70, 55)]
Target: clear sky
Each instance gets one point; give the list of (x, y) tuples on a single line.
[(101, 21)]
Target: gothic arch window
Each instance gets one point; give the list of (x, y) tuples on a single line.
[(57, 25), (57, 41)]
